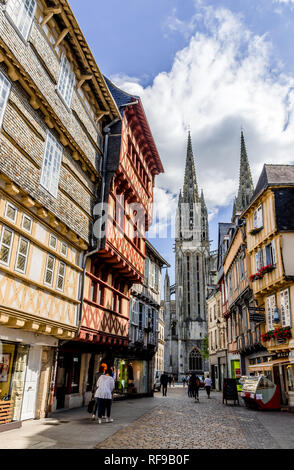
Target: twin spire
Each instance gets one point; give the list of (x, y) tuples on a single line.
[(190, 190)]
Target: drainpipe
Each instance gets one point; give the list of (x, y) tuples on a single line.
[(106, 131)]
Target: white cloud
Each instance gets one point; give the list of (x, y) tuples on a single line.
[(225, 78)]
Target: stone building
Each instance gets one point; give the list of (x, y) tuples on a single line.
[(159, 356), (53, 105), (146, 332), (184, 338)]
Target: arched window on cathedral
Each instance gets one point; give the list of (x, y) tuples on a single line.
[(195, 360)]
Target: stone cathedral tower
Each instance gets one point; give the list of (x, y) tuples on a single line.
[(188, 327)]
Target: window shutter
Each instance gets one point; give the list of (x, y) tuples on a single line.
[(285, 307), (146, 317), (274, 257), (147, 269), (257, 261)]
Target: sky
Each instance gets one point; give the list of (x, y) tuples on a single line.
[(211, 66)]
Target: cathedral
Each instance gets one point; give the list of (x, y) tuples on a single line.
[(185, 318)]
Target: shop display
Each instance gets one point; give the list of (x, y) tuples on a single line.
[(259, 392)]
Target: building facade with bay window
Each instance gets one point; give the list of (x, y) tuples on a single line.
[(270, 242), (53, 104)]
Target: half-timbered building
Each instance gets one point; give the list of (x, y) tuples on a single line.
[(53, 105)]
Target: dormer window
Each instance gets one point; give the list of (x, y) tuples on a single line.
[(66, 81), (22, 13)]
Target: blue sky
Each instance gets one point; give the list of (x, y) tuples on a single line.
[(213, 65)]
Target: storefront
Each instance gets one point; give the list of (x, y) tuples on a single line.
[(24, 358), (131, 377), (236, 372)]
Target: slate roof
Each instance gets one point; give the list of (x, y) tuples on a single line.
[(274, 175), (120, 97)]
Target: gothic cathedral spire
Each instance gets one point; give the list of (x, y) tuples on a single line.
[(246, 187), (190, 190)]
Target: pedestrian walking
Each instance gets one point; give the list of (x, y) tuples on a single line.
[(105, 386), (94, 388), (164, 382), (169, 380), (192, 385), (197, 386), (207, 385)]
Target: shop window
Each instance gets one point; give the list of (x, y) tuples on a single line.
[(6, 245), (22, 255), (4, 93), (66, 81), (258, 217), (60, 276), (10, 212), (49, 271), (290, 373), (22, 13), (51, 165), (75, 380), (27, 223)]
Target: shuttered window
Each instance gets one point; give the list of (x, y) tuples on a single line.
[(51, 165), (4, 93), (285, 307), (271, 306), (22, 13), (66, 81), (270, 252), (6, 245), (49, 271)]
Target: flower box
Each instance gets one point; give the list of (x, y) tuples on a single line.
[(255, 231), (261, 272), (281, 333)]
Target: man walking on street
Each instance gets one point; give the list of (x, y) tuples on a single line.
[(207, 384), (164, 382)]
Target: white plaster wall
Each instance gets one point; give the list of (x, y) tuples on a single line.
[(36, 264), (287, 253)]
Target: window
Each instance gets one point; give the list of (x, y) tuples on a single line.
[(51, 165), (52, 241), (66, 81), (270, 253), (27, 223), (147, 270), (22, 13), (22, 255), (156, 277), (141, 315), (135, 313), (271, 306), (75, 378), (258, 217), (5, 245), (49, 271), (259, 260), (60, 276), (195, 361), (10, 212), (285, 307), (93, 291), (4, 92), (63, 249)]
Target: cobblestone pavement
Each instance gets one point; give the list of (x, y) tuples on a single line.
[(180, 423)]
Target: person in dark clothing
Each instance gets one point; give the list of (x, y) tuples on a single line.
[(164, 382), (169, 380), (192, 385), (94, 388), (197, 386)]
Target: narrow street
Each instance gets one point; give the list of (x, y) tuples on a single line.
[(174, 422)]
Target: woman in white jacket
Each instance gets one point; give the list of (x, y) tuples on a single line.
[(105, 386)]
